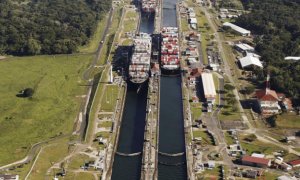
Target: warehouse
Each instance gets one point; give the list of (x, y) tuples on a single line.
[(242, 31), (208, 87)]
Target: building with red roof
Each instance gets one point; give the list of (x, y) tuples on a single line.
[(256, 161), (295, 163), (268, 100)]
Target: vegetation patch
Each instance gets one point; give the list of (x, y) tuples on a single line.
[(52, 109), (48, 27)]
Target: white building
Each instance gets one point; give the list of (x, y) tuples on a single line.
[(209, 87), (193, 22), (250, 59), (242, 47), (242, 31), (292, 58)]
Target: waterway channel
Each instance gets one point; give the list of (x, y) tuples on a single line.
[(131, 137), (171, 124), (171, 130)]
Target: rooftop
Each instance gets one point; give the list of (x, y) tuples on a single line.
[(237, 28), (250, 59), (267, 95), (208, 85), (256, 160), (294, 162)]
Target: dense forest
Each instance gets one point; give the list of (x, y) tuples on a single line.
[(30, 27), (276, 25)]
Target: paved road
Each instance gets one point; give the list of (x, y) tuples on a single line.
[(87, 73)]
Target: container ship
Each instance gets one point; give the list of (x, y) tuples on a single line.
[(169, 49), (139, 66), (149, 6)]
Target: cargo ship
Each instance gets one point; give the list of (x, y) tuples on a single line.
[(169, 59), (139, 65), (149, 6)]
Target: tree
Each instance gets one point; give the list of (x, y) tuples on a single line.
[(229, 87), (249, 89), (33, 47)]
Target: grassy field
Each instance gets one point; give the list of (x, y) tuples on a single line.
[(106, 124), (210, 174), (184, 24), (96, 101), (204, 135), (109, 99), (228, 138), (205, 31), (53, 108), (79, 176), (258, 146), (288, 120), (112, 31), (49, 154), (196, 110), (96, 38), (77, 161), (130, 21)]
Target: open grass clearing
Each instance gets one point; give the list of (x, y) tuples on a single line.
[(49, 155), (184, 24), (78, 160), (58, 90), (210, 173), (257, 146), (105, 124), (288, 120), (109, 99), (206, 139), (196, 109), (229, 139), (103, 134)]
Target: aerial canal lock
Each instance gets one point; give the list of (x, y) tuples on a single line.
[(151, 140)]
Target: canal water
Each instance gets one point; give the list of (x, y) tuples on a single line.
[(171, 129), (131, 137)]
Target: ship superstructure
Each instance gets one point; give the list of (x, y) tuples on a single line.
[(170, 48), (140, 61), (149, 6)]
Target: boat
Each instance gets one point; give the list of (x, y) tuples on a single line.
[(169, 59), (139, 65), (149, 6)]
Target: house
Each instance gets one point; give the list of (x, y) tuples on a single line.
[(268, 100), (256, 161), (9, 177), (240, 30), (243, 47), (295, 163), (250, 60)]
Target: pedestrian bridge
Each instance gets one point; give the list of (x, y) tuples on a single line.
[(169, 164)]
